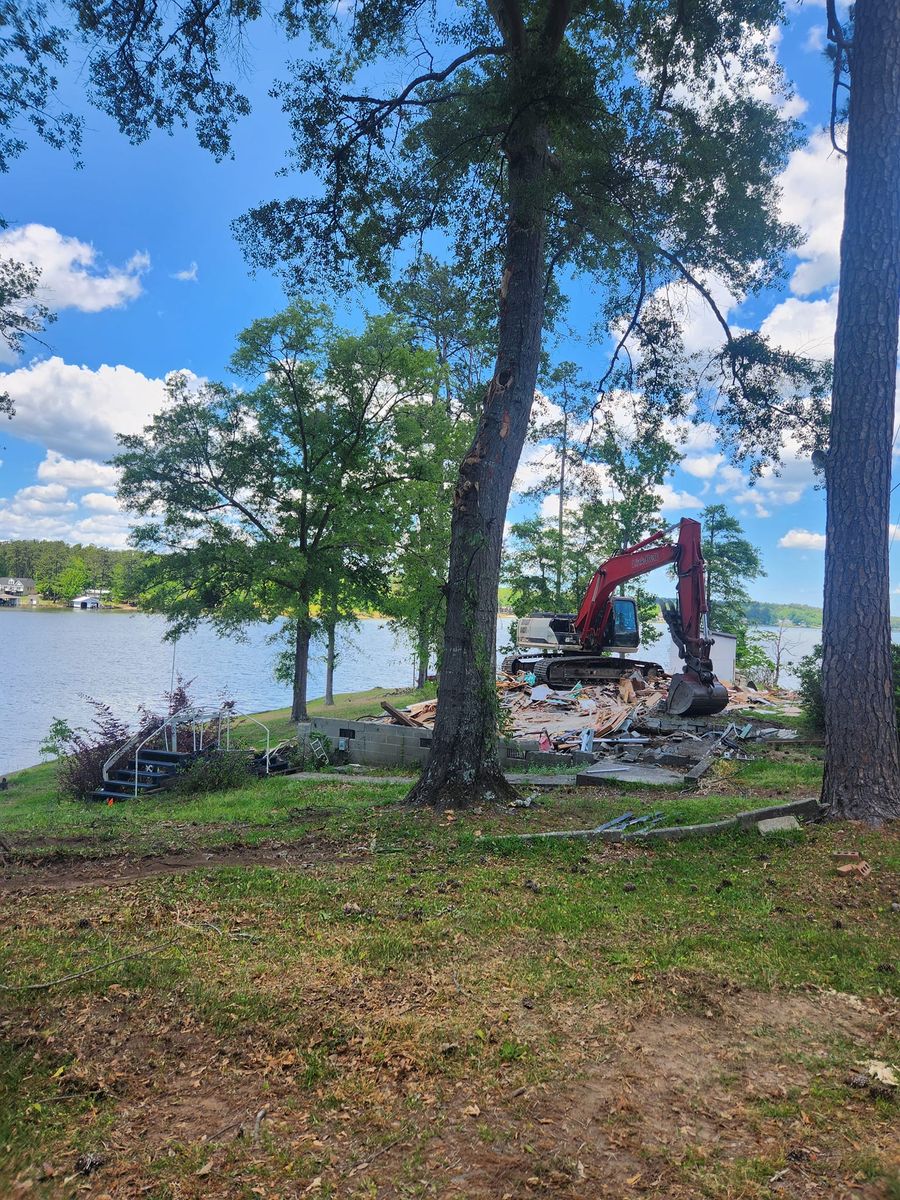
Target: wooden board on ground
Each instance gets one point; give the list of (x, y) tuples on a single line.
[(401, 718)]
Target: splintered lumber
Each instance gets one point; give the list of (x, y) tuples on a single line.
[(401, 718), (610, 719)]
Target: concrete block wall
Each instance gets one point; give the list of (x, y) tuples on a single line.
[(374, 744)]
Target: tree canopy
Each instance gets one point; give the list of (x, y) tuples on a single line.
[(270, 499), (533, 142)]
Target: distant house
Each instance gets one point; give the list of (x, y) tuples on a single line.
[(85, 602), (10, 585), (14, 589)]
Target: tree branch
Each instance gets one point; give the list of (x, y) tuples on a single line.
[(842, 48), (508, 18), (677, 26), (384, 108), (558, 16)]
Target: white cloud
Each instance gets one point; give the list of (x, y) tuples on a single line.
[(550, 506), (77, 473), (700, 327), (732, 77), (532, 467), (75, 411), (788, 105), (812, 197), (815, 39), (188, 275), (47, 511), (803, 326), (674, 501), (42, 499), (770, 491), (802, 539), (72, 273), (100, 502), (103, 530), (702, 466)]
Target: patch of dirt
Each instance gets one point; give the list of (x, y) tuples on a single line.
[(63, 873), (701, 1086), (643, 1109)]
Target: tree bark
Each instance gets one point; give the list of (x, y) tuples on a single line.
[(862, 766), (463, 766), (422, 653), (301, 668), (330, 630)]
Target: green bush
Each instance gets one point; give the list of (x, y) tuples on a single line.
[(809, 670), (217, 772)]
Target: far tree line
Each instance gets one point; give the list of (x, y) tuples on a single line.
[(64, 570)]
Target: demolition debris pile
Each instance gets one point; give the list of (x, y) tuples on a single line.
[(576, 719), (622, 728)]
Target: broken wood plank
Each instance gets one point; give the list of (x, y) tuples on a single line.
[(401, 718)]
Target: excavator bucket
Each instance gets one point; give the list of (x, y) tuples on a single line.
[(688, 697)]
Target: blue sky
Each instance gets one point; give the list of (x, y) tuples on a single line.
[(138, 257)]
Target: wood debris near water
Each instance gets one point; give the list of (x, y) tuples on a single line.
[(558, 720)]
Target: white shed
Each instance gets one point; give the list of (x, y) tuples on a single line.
[(85, 602)]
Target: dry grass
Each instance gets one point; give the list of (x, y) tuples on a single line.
[(459, 1018)]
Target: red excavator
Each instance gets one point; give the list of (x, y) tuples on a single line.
[(573, 646)]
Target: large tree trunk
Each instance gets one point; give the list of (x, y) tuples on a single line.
[(862, 768), (462, 766), (301, 668)]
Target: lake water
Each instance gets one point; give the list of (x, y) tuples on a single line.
[(52, 659)]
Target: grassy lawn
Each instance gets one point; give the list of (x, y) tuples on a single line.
[(348, 705), (306, 989)]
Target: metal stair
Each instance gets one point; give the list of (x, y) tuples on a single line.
[(147, 772), (139, 767)]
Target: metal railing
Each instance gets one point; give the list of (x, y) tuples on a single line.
[(199, 722)]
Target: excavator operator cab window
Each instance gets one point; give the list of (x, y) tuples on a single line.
[(625, 631)]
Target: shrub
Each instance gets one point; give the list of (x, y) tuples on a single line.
[(84, 751), (59, 735), (809, 670), (216, 772)]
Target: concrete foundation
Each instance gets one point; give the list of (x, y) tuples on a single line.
[(378, 745)]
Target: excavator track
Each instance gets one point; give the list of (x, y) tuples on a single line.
[(563, 671)]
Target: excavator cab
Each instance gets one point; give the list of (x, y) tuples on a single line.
[(624, 632), (549, 631)]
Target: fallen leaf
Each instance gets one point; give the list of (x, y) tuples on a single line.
[(879, 1070), (206, 1169), (471, 1110)]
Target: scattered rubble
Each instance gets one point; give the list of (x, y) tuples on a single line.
[(778, 825), (623, 728)]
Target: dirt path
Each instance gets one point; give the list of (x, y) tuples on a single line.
[(62, 873)]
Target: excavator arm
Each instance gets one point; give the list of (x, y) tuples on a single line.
[(694, 690)]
